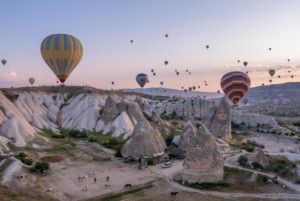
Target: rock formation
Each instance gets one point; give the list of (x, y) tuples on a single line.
[(188, 135), (218, 121), (259, 156), (204, 162), (144, 141)]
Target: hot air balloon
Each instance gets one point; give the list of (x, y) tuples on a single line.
[(190, 73), (142, 79), (194, 88), (270, 49), (31, 80), (185, 90), (278, 76), (289, 71), (190, 88), (3, 61), (235, 85), (62, 53), (112, 83), (166, 62), (186, 70), (245, 63), (292, 76), (166, 35), (205, 84), (288, 60), (238, 61), (152, 70), (262, 84), (207, 46), (245, 100), (218, 91), (177, 73), (131, 41), (198, 87), (272, 72), (154, 74), (161, 83), (270, 81), (182, 87)]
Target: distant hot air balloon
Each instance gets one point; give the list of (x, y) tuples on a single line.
[(278, 76), (166, 35), (262, 84), (131, 41), (270, 81), (245, 100), (245, 63), (190, 88), (288, 60), (161, 83), (154, 74), (272, 72), (190, 73), (186, 70), (198, 87), (182, 87), (31, 80), (235, 85), (185, 90), (238, 61), (289, 71), (142, 79), (62, 53), (205, 84), (207, 46), (292, 76), (152, 70), (270, 49), (194, 88), (177, 73), (3, 61), (218, 91), (112, 83), (166, 62)]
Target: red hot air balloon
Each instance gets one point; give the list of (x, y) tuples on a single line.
[(235, 85)]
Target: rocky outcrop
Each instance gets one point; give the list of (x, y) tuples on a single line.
[(188, 135), (218, 121), (110, 111), (260, 157), (144, 141), (204, 162)]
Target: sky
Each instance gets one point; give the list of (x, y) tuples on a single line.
[(234, 30)]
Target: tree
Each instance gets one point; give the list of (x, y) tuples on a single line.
[(242, 160)]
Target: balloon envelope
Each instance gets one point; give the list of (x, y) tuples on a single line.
[(62, 53), (3, 61), (235, 85), (31, 80), (142, 79), (272, 72), (245, 63)]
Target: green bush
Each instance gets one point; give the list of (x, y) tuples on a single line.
[(256, 165), (118, 153), (27, 161), (114, 143), (40, 167), (282, 166), (242, 160), (249, 148), (77, 134), (149, 161), (197, 125), (235, 125), (92, 138)]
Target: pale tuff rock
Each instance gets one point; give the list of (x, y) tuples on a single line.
[(3, 144), (144, 105), (110, 111), (144, 141), (188, 136), (259, 156), (218, 121), (204, 162)]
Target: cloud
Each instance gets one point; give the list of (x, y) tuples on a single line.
[(11, 76)]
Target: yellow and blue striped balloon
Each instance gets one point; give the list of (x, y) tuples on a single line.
[(62, 53)]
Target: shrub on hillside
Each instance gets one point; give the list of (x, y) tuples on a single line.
[(242, 160), (40, 167)]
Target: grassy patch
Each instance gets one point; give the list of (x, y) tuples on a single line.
[(118, 196), (100, 159), (282, 166)]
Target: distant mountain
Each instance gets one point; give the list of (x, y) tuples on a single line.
[(174, 92), (290, 91)]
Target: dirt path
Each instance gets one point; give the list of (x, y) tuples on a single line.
[(169, 173)]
